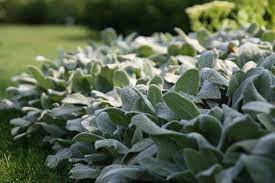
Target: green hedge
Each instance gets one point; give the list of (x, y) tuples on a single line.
[(143, 16), (40, 11)]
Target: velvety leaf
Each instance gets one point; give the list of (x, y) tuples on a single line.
[(157, 80), (154, 94), (268, 62), (192, 42), (52, 129), (112, 145), (53, 160), (217, 112), (208, 126), (146, 124), (120, 78), (209, 91), (163, 112), (267, 121), (183, 107), (42, 80), (46, 101), (195, 161), (24, 90), (234, 82), (171, 78), (98, 158), (75, 125), (77, 99), (141, 145), (147, 103), (104, 79), (189, 82), (212, 76), (89, 123), (20, 122), (208, 59), (169, 136), (259, 106), (56, 96), (128, 98), (87, 137), (80, 171), (260, 169), (209, 174), (79, 149), (123, 174), (179, 177), (80, 82), (118, 116), (234, 130), (148, 152), (66, 110), (6, 104), (234, 152), (265, 146), (159, 167), (104, 123), (230, 174)]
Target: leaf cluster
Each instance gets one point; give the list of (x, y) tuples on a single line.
[(185, 108)]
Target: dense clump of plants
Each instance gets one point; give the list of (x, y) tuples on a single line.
[(185, 108)]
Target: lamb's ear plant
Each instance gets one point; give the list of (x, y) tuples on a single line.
[(185, 108)]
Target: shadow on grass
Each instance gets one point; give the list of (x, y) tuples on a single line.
[(23, 162)]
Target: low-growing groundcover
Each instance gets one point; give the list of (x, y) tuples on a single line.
[(185, 108)]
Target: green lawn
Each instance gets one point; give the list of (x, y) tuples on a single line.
[(18, 47)]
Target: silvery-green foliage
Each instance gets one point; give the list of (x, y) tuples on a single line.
[(185, 108)]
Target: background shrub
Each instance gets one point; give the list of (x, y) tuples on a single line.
[(235, 13)]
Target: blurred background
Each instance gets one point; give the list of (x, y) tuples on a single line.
[(43, 27), (142, 16)]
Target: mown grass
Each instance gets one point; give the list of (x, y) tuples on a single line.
[(24, 162)]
